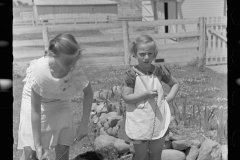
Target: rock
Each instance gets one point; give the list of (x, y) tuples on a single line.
[(109, 131), (114, 120), (96, 95), (106, 125), (99, 124), (115, 107), (115, 130), (224, 149), (177, 137), (132, 148), (112, 132), (99, 107), (192, 152), (167, 145), (210, 150), (93, 107), (121, 146), (103, 132), (119, 123), (104, 141), (171, 154), (121, 132), (105, 94), (103, 118), (196, 143), (95, 119), (92, 114), (110, 115), (169, 136), (181, 144)]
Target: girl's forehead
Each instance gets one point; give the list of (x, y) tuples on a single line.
[(146, 47)]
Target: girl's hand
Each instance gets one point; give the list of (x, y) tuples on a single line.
[(82, 130), (39, 152), (152, 93), (41, 155)]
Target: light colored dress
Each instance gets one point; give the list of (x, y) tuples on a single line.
[(148, 119), (56, 113)]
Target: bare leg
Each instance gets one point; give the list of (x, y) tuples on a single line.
[(156, 148), (60, 150), (141, 152), (28, 154)]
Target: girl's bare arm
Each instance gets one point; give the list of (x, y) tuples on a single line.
[(131, 98), (87, 103), (174, 89), (36, 117)]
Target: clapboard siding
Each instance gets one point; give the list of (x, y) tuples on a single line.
[(200, 8), (186, 9), (74, 11)]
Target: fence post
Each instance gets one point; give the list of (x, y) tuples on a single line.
[(45, 36), (202, 39), (126, 43)]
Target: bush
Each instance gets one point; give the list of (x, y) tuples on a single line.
[(18, 72)]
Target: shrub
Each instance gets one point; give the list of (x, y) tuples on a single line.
[(18, 71)]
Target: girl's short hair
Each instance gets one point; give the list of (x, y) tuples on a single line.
[(63, 43), (143, 39)]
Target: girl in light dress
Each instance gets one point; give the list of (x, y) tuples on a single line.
[(46, 117), (147, 111)]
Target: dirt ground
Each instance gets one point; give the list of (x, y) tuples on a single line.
[(219, 68)]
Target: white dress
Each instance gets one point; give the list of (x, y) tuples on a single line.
[(56, 112), (148, 119)]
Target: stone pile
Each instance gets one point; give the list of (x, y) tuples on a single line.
[(108, 118)]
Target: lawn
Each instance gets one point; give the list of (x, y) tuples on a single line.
[(19, 9), (209, 86)]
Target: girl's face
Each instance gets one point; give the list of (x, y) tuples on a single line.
[(68, 61), (145, 55)]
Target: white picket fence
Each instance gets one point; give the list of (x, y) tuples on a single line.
[(216, 41)]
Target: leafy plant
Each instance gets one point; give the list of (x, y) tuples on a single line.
[(18, 72), (221, 128)]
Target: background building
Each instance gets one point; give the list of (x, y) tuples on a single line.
[(55, 9), (180, 9)]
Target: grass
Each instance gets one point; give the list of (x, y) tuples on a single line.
[(207, 85), (19, 9)]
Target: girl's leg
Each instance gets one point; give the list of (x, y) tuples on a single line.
[(28, 154), (141, 151), (60, 150), (156, 148)]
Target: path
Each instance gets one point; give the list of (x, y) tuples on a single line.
[(219, 68)]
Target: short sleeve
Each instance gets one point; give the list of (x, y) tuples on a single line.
[(39, 78), (31, 78), (164, 73), (80, 80), (130, 78)]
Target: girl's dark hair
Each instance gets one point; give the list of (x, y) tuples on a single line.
[(63, 43), (143, 39)]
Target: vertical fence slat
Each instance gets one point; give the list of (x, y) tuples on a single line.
[(126, 43), (224, 34), (202, 36), (45, 36), (204, 40), (214, 37)]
